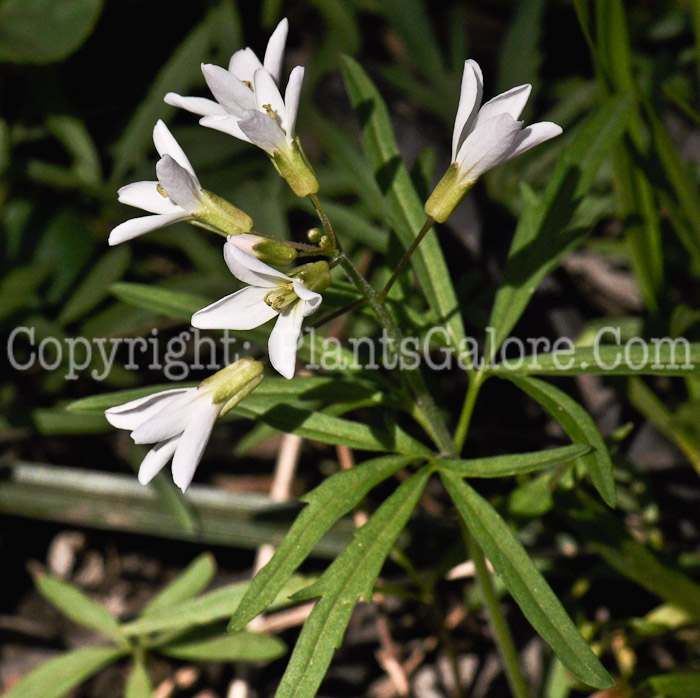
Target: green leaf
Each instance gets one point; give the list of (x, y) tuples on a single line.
[(681, 428), (331, 500), (195, 578), (350, 576), (543, 234), (57, 677), (663, 356), (403, 204), (678, 684), (94, 287), (328, 429), (219, 646), (176, 304), (215, 605), (138, 685), (43, 31), (580, 427), (77, 606), (515, 464), (19, 285), (526, 585), (608, 537)]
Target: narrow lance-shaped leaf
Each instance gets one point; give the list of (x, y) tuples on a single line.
[(77, 606), (57, 677), (350, 576), (215, 605), (333, 498), (543, 234), (580, 427), (525, 584), (219, 646), (512, 464), (404, 205), (138, 685), (195, 578), (655, 356)]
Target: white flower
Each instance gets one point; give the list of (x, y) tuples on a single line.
[(270, 294), (485, 136), (248, 103), (176, 196), (177, 421)]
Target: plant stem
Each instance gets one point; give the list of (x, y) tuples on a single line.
[(499, 626), (424, 400), (326, 223), (475, 382), (406, 258)]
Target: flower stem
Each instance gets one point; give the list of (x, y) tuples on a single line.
[(424, 400), (325, 222), (475, 382), (429, 221)]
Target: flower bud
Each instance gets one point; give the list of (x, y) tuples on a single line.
[(316, 275), (450, 190), (276, 252), (314, 234), (292, 164), (233, 383), (219, 213)]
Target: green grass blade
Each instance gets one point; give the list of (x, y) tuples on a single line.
[(512, 464), (403, 204), (331, 500), (580, 427), (526, 585), (350, 576)]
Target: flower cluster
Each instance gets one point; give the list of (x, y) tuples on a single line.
[(249, 105)]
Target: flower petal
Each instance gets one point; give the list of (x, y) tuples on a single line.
[(242, 310), (132, 414), (192, 444), (511, 102), (144, 224), (243, 64), (227, 124), (291, 100), (487, 146), (263, 131), (196, 105), (179, 184), (229, 91), (145, 195), (282, 344), (534, 135), (469, 103), (310, 299), (170, 421), (268, 96), (167, 145), (274, 54), (251, 270), (156, 458)]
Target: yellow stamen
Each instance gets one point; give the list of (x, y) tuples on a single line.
[(161, 191), (270, 111)]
